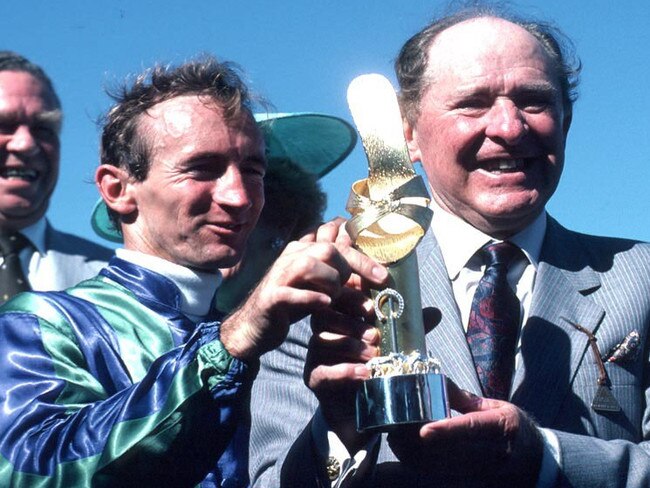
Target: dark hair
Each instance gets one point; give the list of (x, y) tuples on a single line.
[(292, 197), (122, 145), (220, 82), (11, 61), (413, 59)]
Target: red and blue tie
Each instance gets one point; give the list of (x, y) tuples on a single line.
[(494, 322)]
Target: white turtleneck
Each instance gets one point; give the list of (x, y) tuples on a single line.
[(197, 288)]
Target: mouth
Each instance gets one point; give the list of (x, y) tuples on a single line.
[(503, 166), (23, 174), (230, 227)]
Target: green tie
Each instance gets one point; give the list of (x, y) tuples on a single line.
[(12, 279)]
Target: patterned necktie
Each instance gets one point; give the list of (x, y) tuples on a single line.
[(494, 322), (12, 279)]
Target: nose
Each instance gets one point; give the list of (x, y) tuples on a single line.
[(23, 141), (506, 123), (231, 190)]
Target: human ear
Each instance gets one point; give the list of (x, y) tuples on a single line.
[(566, 123), (410, 134), (114, 186)]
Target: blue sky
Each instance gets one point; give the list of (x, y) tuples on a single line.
[(302, 55)]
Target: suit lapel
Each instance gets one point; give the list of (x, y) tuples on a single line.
[(551, 347), (446, 341)]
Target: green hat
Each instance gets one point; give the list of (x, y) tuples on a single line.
[(315, 142)]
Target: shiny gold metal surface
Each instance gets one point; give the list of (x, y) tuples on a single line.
[(401, 332), (390, 208), (389, 212)]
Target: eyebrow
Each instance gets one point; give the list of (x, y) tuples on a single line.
[(52, 118), (256, 158), (533, 86), (539, 86)]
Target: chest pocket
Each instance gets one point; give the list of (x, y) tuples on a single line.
[(625, 375)]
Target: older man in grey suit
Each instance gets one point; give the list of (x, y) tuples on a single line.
[(42, 258), (487, 100)]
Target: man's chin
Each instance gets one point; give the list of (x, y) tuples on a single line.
[(502, 226), (515, 204), (221, 260), (228, 262), (18, 217)]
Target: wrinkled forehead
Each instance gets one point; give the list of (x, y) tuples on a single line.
[(177, 114), (474, 44), (21, 85), (187, 117)]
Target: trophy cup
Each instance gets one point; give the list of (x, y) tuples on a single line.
[(390, 214)]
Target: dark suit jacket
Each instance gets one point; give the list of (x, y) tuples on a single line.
[(602, 284)]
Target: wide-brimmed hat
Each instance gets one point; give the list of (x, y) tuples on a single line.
[(315, 142)]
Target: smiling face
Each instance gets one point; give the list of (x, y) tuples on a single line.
[(30, 121), (204, 189), (491, 128)]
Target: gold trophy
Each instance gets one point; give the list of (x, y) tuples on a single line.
[(390, 214)]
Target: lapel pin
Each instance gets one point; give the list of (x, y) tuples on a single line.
[(604, 400)]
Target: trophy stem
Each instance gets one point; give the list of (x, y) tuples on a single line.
[(405, 390), (399, 315)]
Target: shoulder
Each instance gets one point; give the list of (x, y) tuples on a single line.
[(603, 254), (70, 244), (44, 309), (79, 307)]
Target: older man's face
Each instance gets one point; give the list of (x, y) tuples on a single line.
[(491, 130), (204, 190), (29, 148)]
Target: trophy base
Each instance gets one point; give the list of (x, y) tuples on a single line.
[(389, 401)]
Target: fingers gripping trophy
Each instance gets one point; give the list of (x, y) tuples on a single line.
[(390, 215)]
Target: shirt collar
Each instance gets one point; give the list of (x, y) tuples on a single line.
[(197, 288), (459, 240), (35, 233)]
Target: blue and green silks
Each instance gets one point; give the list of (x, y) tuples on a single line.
[(108, 384)]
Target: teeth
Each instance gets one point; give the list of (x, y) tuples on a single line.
[(20, 173), (505, 165)]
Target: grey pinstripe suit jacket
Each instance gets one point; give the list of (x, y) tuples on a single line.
[(603, 284)]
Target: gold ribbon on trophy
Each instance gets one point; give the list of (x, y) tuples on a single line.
[(389, 208), (390, 215)]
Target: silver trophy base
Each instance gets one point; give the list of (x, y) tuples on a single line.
[(389, 401)]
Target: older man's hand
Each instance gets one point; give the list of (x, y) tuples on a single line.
[(340, 346), (493, 443)]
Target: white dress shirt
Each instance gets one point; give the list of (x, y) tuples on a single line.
[(459, 242), (36, 263), (51, 263)]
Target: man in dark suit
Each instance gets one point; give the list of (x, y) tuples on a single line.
[(30, 123), (487, 100)]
